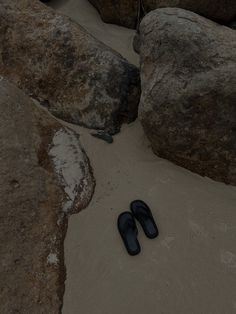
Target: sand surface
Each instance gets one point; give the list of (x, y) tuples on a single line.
[(191, 267)]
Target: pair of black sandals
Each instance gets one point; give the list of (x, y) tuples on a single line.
[(128, 229)]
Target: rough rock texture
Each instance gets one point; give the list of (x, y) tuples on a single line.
[(129, 12), (188, 103), (56, 61), (121, 12), (39, 186)]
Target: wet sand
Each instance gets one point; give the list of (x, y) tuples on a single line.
[(191, 267)]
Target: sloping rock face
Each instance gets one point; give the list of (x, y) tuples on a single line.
[(188, 103), (128, 12), (39, 186), (55, 60)]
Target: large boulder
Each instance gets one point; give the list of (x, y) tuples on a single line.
[(188, 102), (129, 12), (56, 61), (44, 176)]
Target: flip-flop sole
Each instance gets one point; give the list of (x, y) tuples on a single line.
[(143, 214), (128, 231)]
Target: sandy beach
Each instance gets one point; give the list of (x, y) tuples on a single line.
[(191, 267)]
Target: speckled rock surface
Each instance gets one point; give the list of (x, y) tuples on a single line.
[(55, 60), (40, 185), (128, 12), (188, 102)]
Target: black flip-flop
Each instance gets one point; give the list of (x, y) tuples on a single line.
[(143, 214), (128, 231)]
